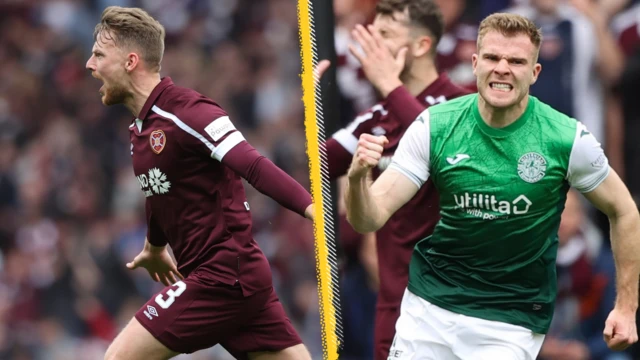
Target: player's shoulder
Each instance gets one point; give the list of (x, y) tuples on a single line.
[(555, 124), (188, 105), (544, 112)]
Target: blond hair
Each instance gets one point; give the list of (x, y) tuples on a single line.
[(133, 28), (510, 25)]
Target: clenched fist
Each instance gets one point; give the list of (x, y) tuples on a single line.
[(620, 330), (367, 155)]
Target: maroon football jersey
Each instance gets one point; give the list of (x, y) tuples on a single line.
[(193, 201), (417, 218)]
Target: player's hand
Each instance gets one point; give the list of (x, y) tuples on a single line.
[(158, 263), (620, 329), (382, 68), (367, 155), (319, 70)]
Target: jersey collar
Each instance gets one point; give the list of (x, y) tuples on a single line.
[(165, 82), (509, 129)]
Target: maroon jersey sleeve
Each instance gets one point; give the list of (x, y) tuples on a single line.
[(214, 134), (267, 178), (339, 158), (404, 105)]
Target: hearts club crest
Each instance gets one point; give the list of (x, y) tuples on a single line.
[(157, 140)]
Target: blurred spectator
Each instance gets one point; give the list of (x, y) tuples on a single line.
[(355, 90), (586, 290), (458, 42)]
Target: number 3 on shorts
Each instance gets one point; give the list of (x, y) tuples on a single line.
[(171, 295)]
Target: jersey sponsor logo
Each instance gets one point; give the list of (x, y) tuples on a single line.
[(457, 158), (157, 140), (154, 182), (532, 167), (219, 128), (474, 204)]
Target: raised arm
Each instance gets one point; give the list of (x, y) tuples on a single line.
[(369, 206)]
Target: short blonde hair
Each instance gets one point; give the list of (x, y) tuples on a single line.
[(133, 28), (510, 25)]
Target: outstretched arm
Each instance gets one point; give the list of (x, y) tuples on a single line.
[(269, 179)]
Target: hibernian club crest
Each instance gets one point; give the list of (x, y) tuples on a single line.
[(532, 167)]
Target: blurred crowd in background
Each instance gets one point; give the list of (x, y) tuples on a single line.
[(72, 214)]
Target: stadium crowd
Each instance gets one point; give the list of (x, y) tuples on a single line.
[(72, 214)]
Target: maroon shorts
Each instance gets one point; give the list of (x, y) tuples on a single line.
[(197, 314), (385, 330)]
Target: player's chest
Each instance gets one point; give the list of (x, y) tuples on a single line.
[(156, 158), (473, 173)]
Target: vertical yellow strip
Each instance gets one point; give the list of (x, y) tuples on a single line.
[(326, 287)]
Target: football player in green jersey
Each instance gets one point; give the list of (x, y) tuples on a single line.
[(483, 286)]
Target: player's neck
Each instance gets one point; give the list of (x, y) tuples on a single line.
[(420, 77), (141, 88), (500, 118)]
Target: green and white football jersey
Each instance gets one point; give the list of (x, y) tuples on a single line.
[(502, 192)]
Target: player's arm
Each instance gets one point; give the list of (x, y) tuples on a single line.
[(343, 144), (269, 179), (338, 159), (612, 198), (213, 133), (590, 173), (369, 206)]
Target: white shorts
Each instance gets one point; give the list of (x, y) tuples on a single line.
[(427, 332)]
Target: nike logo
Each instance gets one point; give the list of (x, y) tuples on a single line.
[(584, 132), (457, 159)]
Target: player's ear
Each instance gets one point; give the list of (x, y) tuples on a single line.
[(536, 72), (132, 61), (474, 63), (424, 45)]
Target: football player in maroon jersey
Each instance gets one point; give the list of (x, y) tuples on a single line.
[(189, 160)]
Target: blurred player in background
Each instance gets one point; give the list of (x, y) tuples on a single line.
[(483, 286), (398, 57), (189, 159)]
